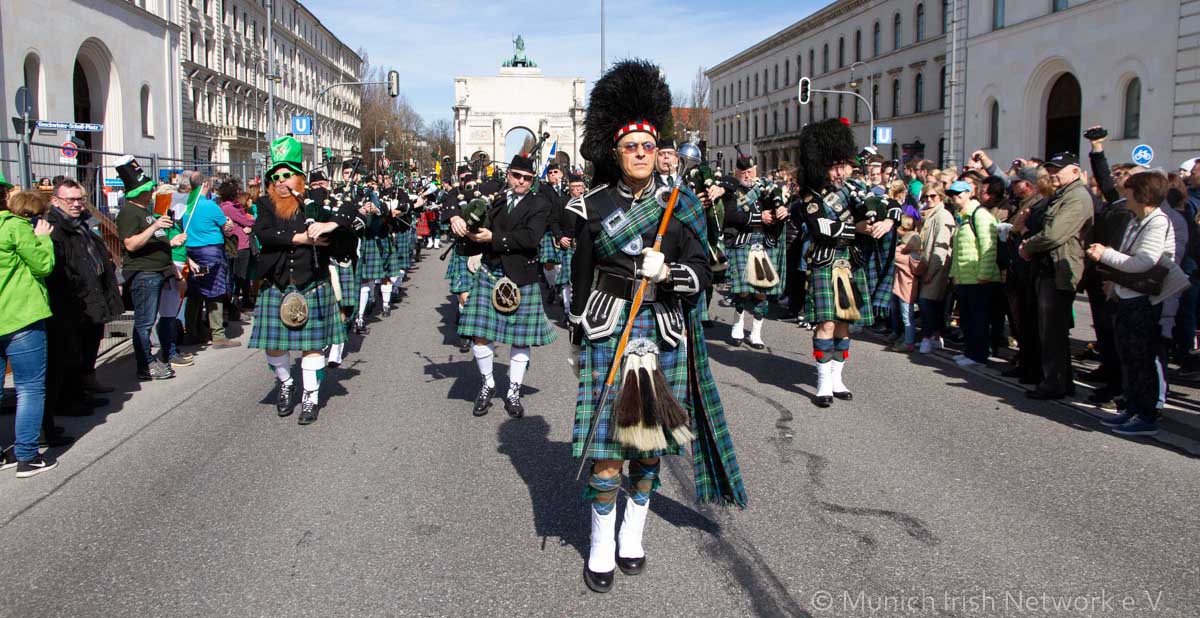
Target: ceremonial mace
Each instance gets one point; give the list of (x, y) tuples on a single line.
[(689, 156)]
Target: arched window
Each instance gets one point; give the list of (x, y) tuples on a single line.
[(897, 33), (825, 59), (920, 22), (876, 36), (841, 52), (895, 97), (739, 90), (1133, 108), (857, 45), (942, 88), (755, 134), (918, 94), (994, 124), (147, 112), (774, 122), (33, 83), (997, 14)]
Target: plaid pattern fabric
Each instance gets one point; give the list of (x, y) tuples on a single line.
[(400, 257), (641, 216), (739, 255), (819, 306), (457, 273), (527, 326), (564, 276), (881, 274), (593, 371), (348, 279), (548, 252), (324, 325), (372, 258)]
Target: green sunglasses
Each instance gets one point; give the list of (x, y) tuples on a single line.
[(282, 176)]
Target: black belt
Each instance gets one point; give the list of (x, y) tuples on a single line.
[(625, 287)]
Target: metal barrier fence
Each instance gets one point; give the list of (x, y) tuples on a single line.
[(91, 168)]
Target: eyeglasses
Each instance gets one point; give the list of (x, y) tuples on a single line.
[(521, 177), (928, 197), (282, 176), (632, 147), (72, 200)]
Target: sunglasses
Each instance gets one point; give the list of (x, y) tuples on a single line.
[(632, 147), (521, 177), (928, 197), (282, 176)]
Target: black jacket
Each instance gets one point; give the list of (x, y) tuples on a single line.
[(282, 263), (83, 284), (516, 237), (744, 217)]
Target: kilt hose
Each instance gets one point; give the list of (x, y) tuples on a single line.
[(372, 258), (457, 273), (348, 280), (324, 326), (548, 252), (594, 365), (564, 275), (738, 255), (527, 326), (820, 307)]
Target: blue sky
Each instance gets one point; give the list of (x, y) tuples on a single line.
[(430, 43)]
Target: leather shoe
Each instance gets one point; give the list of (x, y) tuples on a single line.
[(757, 346), (844, 395), (733, 343), (513, 406), (483, 400), (631, 566), (598, 582), (823, 402)]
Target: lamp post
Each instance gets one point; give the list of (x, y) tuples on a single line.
[(271, 76), (871, 86)]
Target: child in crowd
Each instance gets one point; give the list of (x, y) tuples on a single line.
[(904, 288)]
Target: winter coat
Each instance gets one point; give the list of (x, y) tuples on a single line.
[(83, 284)]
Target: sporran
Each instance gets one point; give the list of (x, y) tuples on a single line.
[(506, 296), (293, 311), (760, 271)]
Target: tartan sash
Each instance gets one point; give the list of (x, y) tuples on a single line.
[(625, 228)]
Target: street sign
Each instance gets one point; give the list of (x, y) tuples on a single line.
[(257, 156), (70, 126), (376, 150), (883, 135), (302, 125), (70, 150), (1143, 154), (113, 182), (67, 160), (24, 101)]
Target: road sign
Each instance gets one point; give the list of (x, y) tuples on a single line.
[(67, 160), (883, 135), (257, 156), (70, 150), (24, 101), (113, 182), (302, 125), (376, 150), (1143, 154), (70, 126)]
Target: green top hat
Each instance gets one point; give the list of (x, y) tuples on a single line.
[(286, 152), (4, 184)]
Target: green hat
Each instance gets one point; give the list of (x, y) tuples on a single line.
[(286, 152), (4, 184)]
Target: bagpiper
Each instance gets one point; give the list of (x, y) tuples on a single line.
[(504, 304), (341, 267), (840, 213), (666, 398), (565, 230), (297, 310), (550, 253)]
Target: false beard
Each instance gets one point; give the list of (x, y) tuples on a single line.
[(286, 207)]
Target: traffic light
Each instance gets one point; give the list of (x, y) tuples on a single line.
[(393, 84), (805, 90)]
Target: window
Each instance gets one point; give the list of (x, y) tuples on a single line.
[(841, 52), (756, 84), (776, 86), (918, 94), (786, 119), (942, 89), (739, 90), (857, 45), (994, 124), (1058, 5), (824, 107), (895, 97), (857, 117), (755, 134), (875, 97), (920, 22), (147, 111), (774, 122), (876, 34), (897, 33), (787, 72), (765, 83), (945, 16), (825, 59), (812, 66), (839, 106), (811, 113), (997, 14), (1133, 108)]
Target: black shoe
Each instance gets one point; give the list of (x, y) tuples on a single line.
[(1102, 396), (844, 395), (512, 405), (1030, 381), (308, 413), (631, 566), (598, 582), (156, 371), (735, 342), (7, 459), (359, 328), (757, 346), (35, 466), (823, 401), (464, 346), (483, 400), (386, 311), (286, 401)]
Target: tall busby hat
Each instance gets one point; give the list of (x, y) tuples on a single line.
[(286, 152), (823, 144), (133, 177), (632, 96)]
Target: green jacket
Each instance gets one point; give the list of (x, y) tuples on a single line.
[(974, 257), (25, 260), (1062, 239)]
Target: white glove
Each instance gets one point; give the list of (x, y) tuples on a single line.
[(1002, 230), (654, 265), (573, 356)]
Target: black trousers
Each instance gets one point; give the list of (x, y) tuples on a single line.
[(1023, 307), (71, 349), (1138, 344), (1054, 331)]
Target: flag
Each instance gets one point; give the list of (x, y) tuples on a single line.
[(550, 158), (437, 169)]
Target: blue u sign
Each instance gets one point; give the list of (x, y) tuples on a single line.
[(302, 125)]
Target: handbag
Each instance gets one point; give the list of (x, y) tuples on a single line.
[(1149, 282)]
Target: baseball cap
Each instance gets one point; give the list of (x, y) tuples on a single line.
[(1062, 159), (1186, 166), (958, 186)]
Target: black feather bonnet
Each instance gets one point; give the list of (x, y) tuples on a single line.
[(632, 92), (822, 144)]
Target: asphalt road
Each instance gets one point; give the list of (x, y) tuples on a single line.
[(934, 493)]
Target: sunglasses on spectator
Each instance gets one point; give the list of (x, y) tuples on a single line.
[(928, 196), (632, 147), (521, 177), (282, 176)]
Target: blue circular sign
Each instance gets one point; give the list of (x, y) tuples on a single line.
[(1143, 154)]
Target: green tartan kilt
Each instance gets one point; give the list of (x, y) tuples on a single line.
[(548, 252), (564, 276), (348, 279), (593, 371), (736, 273), (820, 307), (324, 325), (527, 326), (372, 258), (457, 273), (400, 257), (882, 275)]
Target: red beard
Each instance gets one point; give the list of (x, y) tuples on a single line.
[(286, 207)]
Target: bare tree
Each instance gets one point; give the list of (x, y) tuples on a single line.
[(387, 119), (440, 137), (700, 89)]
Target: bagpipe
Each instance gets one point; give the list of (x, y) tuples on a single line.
[(475, 211), (699, 179)]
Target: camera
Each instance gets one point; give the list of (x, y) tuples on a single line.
[(1095, 133)]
